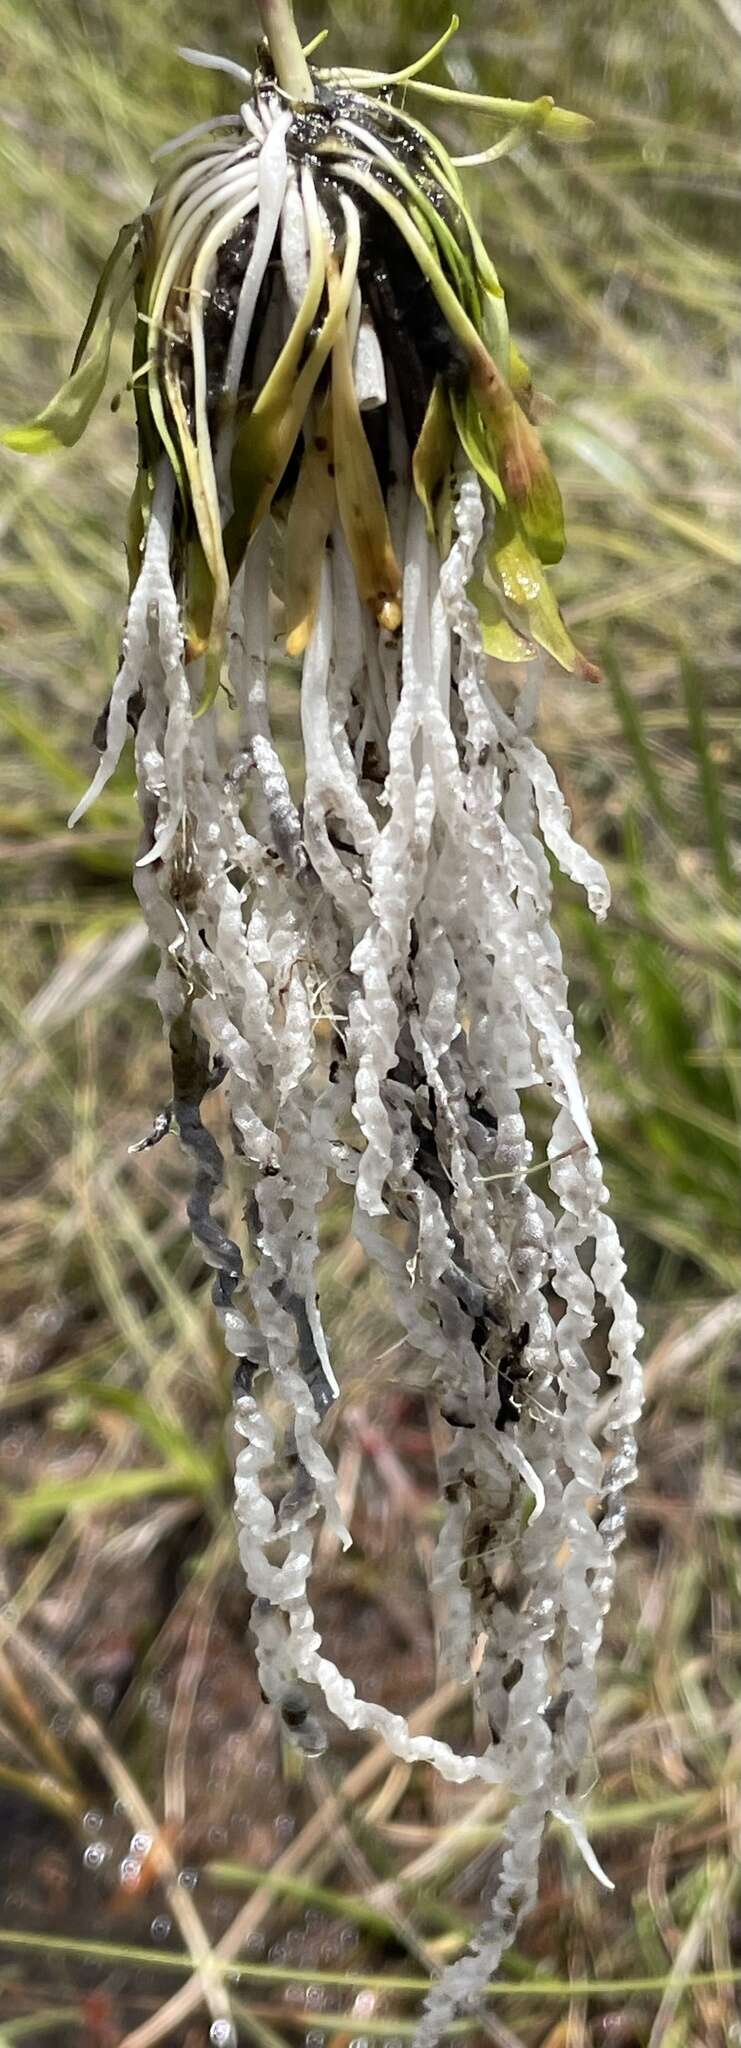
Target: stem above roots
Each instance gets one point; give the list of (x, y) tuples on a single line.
[(291, 68)]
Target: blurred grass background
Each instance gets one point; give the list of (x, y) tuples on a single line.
[(128, 1707)]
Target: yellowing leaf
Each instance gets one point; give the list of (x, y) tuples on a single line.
[(501, 640), (359, 495), (214, 567), (309, 522), (200, 592), (517, 454), (529, 481), (434, 452), (523, 583), (541, 512), (519, 375), (138, 520)]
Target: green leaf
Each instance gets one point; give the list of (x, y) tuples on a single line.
[(520, 378), (65, 418), (473, 437)]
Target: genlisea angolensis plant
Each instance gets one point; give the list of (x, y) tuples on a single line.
[(338, 464)]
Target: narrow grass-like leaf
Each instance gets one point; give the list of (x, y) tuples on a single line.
[(707, 776), (28, 1515), (65, 418)]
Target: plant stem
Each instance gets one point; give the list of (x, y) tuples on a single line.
[(291, 68)]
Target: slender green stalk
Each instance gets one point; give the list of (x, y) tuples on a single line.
[(534, 1986), (291, 68)]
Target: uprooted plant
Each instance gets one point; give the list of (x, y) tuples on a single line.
[(336, 449)]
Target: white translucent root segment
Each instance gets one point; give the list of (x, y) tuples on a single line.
[(175, 744), (580, 1189), (177, 737), (330, 1684), (271, 107), (463, 1984), (330, 780), (277, 1678), (252, 121), (272, 1651), (572, 1821), (210, 62), (368, 369), (229, 192), (153, 587), (288, 1205), (281, 948), (382, 1251), (366, 1716), (157, 909), (532, 960), (455, 1619), (435, 1031), (526, 1757), (201, 177), (285, 1586), (213, 946), (271, 181), (531, 877), (294, 243), (578, 1181), (234, 1010), (272, 177), (249, 678), (209, 127), (589, 1571), (255, 1512), (397, 874), (554, 819)]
